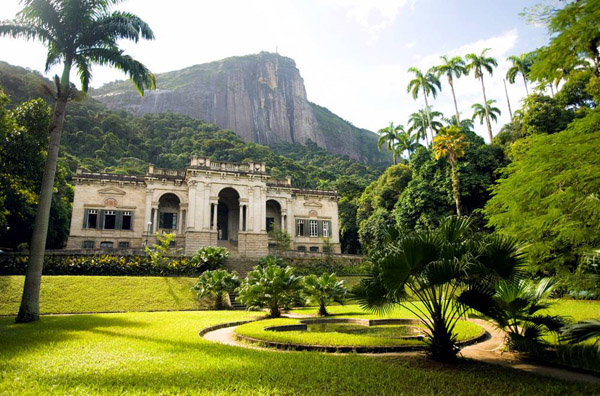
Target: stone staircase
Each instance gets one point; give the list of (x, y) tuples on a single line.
[(235, 304), (241, 265)]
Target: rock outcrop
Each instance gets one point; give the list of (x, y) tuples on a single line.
[(260, 97)]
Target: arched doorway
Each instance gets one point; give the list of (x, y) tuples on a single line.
[(274, 219), (168, 212), (228, 215)]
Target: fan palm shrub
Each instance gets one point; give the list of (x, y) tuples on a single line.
[(517, 308), (270, 286), (425, 271), (323, 291), (216, 285)]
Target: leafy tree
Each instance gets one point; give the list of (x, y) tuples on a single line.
[(425, 272), (418, 124), (161, 252), (271, 287), (323, 291), (575, 37), (520, 65), (452, 68), (77, 33), (517, 308), (371, 231), (548, 196), (428, 84), (480, 111), (216, 285), (282, 239), (385, 191), (544, 115), (451, 142), (478, 64)]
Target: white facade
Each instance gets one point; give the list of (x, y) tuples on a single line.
[(207, 204)]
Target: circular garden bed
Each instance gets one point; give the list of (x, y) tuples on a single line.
[(347, 334)]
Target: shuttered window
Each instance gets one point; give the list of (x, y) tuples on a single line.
[(314, 228)]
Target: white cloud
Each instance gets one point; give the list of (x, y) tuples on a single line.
[(373, 16)]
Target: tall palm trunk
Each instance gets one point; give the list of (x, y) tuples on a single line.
[(451, 82), (428, 115), (455, 189), (507, 99), (525, 82), (487, 110), (29, 310)]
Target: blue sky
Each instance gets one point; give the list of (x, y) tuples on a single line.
[(352, 54)]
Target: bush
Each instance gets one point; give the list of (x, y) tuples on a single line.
[(105, 264), (324, 266), (323, 291), (216, 285), (272, 260), (210, 257)]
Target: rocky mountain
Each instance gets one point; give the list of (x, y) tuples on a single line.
[(260, 97)]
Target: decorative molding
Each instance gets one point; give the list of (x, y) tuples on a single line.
[(313, 204), (111, 191)]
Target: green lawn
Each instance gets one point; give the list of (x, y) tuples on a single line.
[(76, 294), (161, 353), (464, 329)]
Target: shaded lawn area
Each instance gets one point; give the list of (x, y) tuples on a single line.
[(77, 294), (161, 353)]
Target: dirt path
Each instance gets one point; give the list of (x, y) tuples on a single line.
[(489, 351)]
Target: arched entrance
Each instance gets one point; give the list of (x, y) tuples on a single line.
[(168, 212), (228, 215), (274, 217)]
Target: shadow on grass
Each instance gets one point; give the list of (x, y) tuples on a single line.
[(18, 338)]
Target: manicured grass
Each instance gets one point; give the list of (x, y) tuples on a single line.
[(161, 353), (76, 294), (256, 330), (576, 310)]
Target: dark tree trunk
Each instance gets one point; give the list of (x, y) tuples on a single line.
[(323, 310), (451, 82), (275, 313), (487, 110)]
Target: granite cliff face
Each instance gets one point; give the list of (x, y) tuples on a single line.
[(260, 97)]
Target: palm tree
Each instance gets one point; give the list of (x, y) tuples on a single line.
[(428, 84), (480, 111), (78, 33), (406, 142), (216, 285), (452, 68), (389, 137), (478, 64), (465, 125), (451, 142), (520, 65), (417, 123), (324, 290), (425, 271)]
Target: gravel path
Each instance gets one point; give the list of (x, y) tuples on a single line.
[(489, 351)]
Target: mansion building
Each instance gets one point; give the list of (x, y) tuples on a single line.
[(207, 204)]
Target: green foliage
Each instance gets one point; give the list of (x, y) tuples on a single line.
[(161, 252), (324, 290), (270, 260), (433, 267), (215, 285), (271, 287), (282, 240), (548, 196), (384, 192), (544, 115), (324, 266), (210, 257), (372, 231), (104, 264)]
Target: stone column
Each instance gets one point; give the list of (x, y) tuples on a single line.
[(263, 210), (191, 223), (282, 228), (155, 221), (215, 214), (199, 209), (148, 210), (241, 221), (207, 208)]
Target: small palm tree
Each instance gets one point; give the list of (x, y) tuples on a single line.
[(466, 125), (583, 331), (323, 291), (452, 68), (451, 142), (271, 287), (217, 285), (520, 65), (406, 142), (516, 307), (478, 64), (425, 271), (426, 83), (78, 33), (389, 137), (480, 111), (418, 124)]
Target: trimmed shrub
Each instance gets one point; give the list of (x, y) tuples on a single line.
[(210, 257)]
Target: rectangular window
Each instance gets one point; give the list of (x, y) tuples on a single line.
[(123, 245), (325, 229), (92, 218), (314, 228), (168, 221), (126, 224), (314, 248), (270, 223), (110, 220), (300, 228), (106, 245), (88, 244)]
